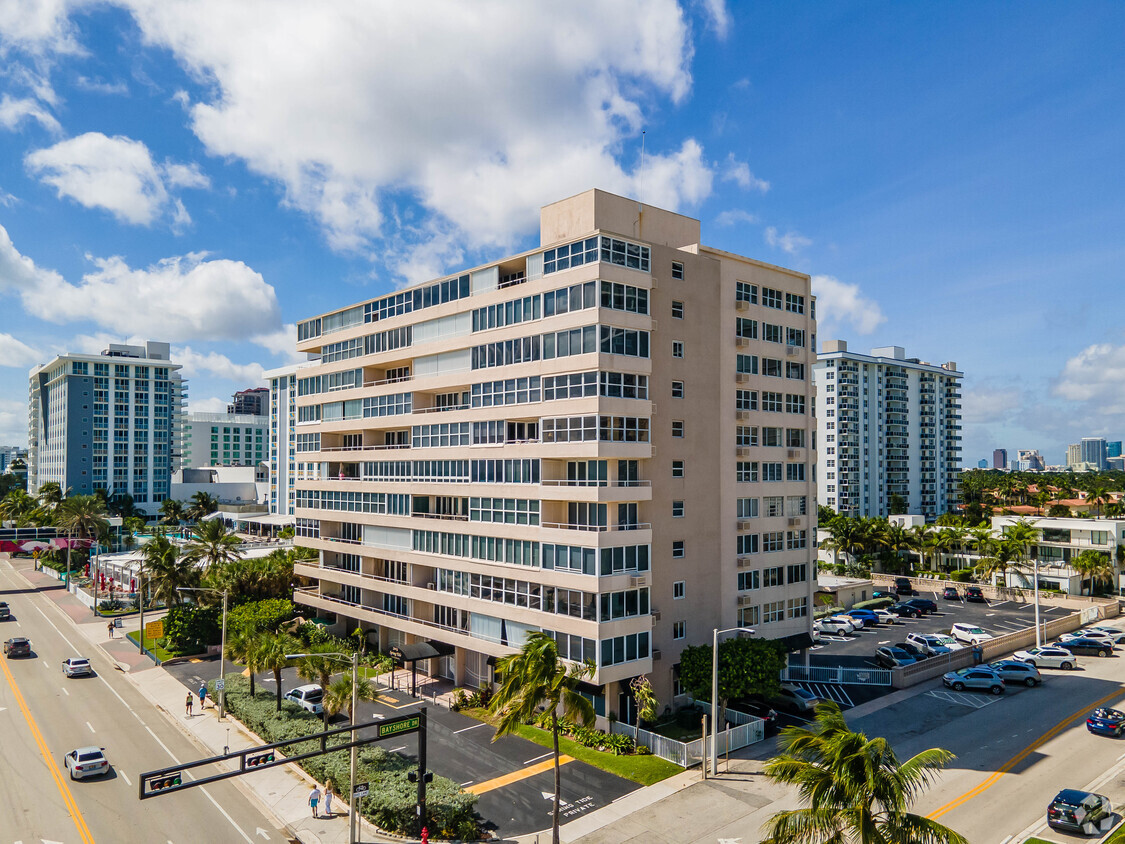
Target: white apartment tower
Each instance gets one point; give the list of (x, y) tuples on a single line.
[(887, 426), (107, 422), (282, 421), (608, 438), (223, 439)]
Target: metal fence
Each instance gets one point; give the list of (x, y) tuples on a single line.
[(835, 674), (687, 754)]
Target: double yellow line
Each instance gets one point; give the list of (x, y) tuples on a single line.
[(64, 790), (1019, 757)]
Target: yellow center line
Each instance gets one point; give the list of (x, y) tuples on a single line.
[(64, 790), (1019, 757), (516, 776)]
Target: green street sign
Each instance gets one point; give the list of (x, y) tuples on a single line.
[(397, 728)]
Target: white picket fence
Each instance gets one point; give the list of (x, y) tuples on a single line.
[(834, 674), (749, 730)]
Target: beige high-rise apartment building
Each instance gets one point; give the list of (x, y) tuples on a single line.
[(609, 438)]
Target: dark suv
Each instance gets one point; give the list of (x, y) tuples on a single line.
[(18, 646), (903, 587), (975, 594), (5, 611), (1080, 811), (923, 605)]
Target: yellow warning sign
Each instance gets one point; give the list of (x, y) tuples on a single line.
[(154, 629)]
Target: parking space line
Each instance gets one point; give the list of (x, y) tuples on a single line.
[(516, 776), (537, 758), (466, 729)]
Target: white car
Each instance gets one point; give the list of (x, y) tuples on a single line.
[(855, 623), (970, 634), (310, 697), (795, 698), (86, 762), (948, 641), (1048, 657), (931, 644), (886, 616), (1118, 636), (1096, 635), (833, 627), (76, 666)]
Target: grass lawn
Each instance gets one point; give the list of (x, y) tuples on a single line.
[(1037, 841), (151, 646), (644, 770), (672, 730)]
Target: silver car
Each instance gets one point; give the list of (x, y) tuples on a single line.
[(76, 666), (978, 677), (1017, 671), (86, 762)]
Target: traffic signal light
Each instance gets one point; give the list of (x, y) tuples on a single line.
[(262, 759), (412, 776), (164, 782)]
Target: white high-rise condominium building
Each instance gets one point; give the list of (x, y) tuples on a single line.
[(608, 438), (223, 439), (888, 428), (107, 422), (282, 420)]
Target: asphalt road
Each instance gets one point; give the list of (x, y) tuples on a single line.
[(44, 715), (513, 777)]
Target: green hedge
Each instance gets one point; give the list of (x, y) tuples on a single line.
[(874, 604), (961, 576), (265, 615), (390, 804)]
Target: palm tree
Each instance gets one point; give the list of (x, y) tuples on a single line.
[(171, 512), (51, 495), (534, 679), (1093, 566), (242, 647), (202, 504), (998, 557), (318, 668), (1098, 494), (80, 516), (896, 539), (1023, 534), (17, 506), (165, 570), (855, 787), (338, 694), (213, 545), (272, 650)]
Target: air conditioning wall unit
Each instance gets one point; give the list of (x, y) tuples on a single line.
[(793, 351), (742, 377), (431, 586), (795, 521), (656, 654), (655, 616)]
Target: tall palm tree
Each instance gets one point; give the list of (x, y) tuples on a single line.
[(243, 646), (17, 506), (534, 679), (338, 695), (51, 495), (202, 504), (82, 517), (318, 668), (1093, 566), (171, 512), (855, 788), (1024, 535), (999, 556), (213, 545), (166, 571), (272, 650), (896, 539), (1098, 495)]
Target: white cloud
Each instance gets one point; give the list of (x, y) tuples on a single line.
[(718, 17), (481, 128), (1094, 375), (178, 299), (37, 26), (212, 363), (838, 302), (282, 342), (734, 215), (117, 174), (13, 422), (97, 86), (791, 242), (13, 112), (211, 405), (739, 173), (16, 353), (984, 406)]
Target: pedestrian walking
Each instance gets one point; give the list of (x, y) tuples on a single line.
[(202, 696), (329, 793), (109, 627), (189, 702), (314, 800)]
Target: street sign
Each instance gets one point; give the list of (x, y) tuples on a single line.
[(361, 789), (220, 685), (155, 629), (395, 728)]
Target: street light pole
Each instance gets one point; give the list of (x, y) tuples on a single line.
[(1038, 629), (715, 694)]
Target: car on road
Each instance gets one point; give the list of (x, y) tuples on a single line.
[(904, 610), (867, 617), (1016, 671), (885, 616), (912, 649), (925, 605), (903, 587), (17, 646), (1106, 722), (929, 643), (978, 677), (76, 666), (1048, 657), (310, 697), (1080, 811), (86, 762), (974, 594), (1118, 636), (891, 657), (1099, 635), (5, 611), (833, 627), (950, 593), (1092, 647), (794, 698), (969, 634), (760, 708)]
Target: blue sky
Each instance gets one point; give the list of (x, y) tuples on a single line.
[(209, 173)]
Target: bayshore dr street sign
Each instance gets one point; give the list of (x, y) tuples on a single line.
[(397, 728)]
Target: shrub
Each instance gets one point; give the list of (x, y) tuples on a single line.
[(874, 604), (261, 615), (189, 629), (961, 576), (460, 700)]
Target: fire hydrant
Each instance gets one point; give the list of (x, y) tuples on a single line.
[(425, 835)]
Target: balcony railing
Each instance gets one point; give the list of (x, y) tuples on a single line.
[(442, 409), (551, 482), (596, 528)]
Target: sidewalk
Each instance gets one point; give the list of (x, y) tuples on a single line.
[(281, 792)]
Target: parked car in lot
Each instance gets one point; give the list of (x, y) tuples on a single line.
[(5, 611), (929, 643), (1118, 636), (974, 594), (1099, 635), (310, 697), (853, 624), (86, 762), (1048, 657), (912, 649), (903, 586), (970, 634), (760, 708), (950, 593), (833, 627), (892, 657), (925, 605), (1106, 722), (1091, 647), (904, 610), (885, 616), (1080, 811), (1017, 671), (880, 594), (978, 677), (17, 646), (76, 666), (794, 698), (867, 617)]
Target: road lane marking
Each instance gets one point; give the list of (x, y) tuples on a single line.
[(65, 691), (516, 776), (91, 726), (125, 777), (1019, 757), (68, 798), (537, 758), (466, 729)]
